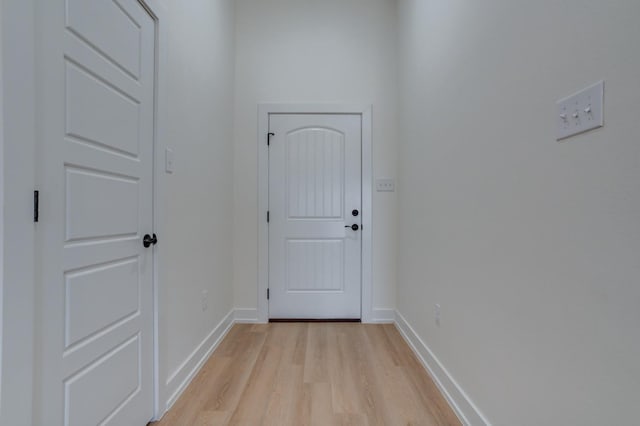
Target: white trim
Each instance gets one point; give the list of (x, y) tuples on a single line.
[(1, 207), (366, 112), (367, 214), (263, 206), (182, 377), (160, 13), (245, 316), (459, 401), (383, 316)]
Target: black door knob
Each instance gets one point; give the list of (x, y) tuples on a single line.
[(355, 213), (354, 227), (147, 240)]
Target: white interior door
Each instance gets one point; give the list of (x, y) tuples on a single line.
[(97, 72), (315, 196)]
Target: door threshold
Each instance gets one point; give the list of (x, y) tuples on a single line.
[(315, 320)]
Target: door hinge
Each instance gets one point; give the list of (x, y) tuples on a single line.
[(267, 294), (36, 206), (268, 216), (269, 138)]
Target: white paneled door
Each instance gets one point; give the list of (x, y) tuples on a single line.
[(315, 198), (97, 72)]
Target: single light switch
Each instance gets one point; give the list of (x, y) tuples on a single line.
[(168, 160), (580, 112), (385, 185)]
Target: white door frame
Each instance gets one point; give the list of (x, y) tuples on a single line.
[(160, 13), (365, 112), (1, 206)]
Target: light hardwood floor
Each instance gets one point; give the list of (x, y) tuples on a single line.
[(311, 374)]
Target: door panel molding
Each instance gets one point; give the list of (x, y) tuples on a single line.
[(80, 156), (365, 111), (23, 20)]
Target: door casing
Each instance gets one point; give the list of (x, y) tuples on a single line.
[(366, 113)]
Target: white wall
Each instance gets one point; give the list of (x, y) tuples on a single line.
[(1, 207), (531, 246), (331, 51), (197, 199), (18, 292)]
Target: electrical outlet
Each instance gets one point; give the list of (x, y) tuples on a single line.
[(205, 300), (437, 314)]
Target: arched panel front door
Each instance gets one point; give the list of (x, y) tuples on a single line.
[(315, 211)]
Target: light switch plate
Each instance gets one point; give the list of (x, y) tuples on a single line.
[(168, 160), (385, 185), (580, 112)]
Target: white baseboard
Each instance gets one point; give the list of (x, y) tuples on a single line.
[(464, 408), (245, 316), (180, 379), (383, 316)]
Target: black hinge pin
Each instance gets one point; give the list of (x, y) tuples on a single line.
[(269, 138), (36, 206), (268, 216), (267, 294)]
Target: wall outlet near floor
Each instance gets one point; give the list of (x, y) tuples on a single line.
[(437, 314), (205, 300)]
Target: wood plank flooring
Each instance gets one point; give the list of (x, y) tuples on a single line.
[(311, 374)]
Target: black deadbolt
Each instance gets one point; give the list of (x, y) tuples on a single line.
[(355, 213)]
